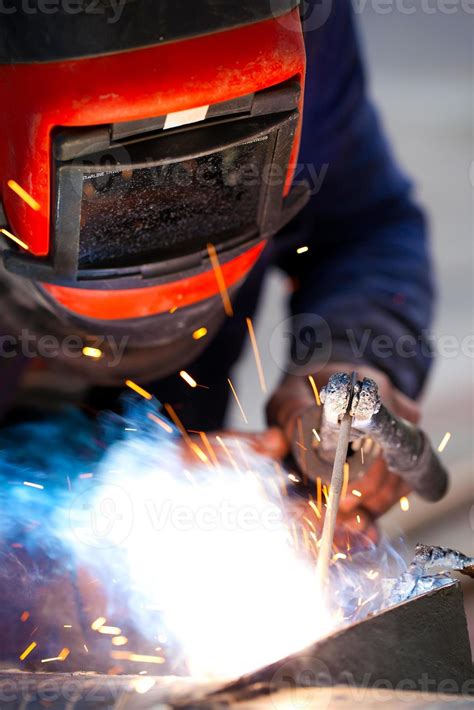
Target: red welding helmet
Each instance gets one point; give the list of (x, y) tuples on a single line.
[(145, 131)]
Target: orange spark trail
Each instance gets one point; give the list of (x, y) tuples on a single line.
[(211, 250), (209, 449), (228, 454), (139, 390), (192, 444), (100, 621), (315, 508), (188, 379), (161, 422), (345, 482), (25, 196), (28, 650), (17, 240), (136, 657), (315, 390), (237, 400), (256, 353), (199, 333), (319, 493)]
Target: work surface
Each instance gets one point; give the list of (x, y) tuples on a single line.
[(80, 691)]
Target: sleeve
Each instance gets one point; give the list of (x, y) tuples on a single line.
[(367, 272)]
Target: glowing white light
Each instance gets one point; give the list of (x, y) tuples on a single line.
[(215, 556)]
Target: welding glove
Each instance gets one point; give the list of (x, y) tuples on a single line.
[(379, 488)]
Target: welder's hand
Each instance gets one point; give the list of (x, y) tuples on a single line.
[(380, 488)]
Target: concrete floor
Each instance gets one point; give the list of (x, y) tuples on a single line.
[(421, 70)]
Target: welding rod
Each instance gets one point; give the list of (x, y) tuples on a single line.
[(335, 490)]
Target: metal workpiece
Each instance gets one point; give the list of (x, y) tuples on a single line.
[(421, 645), (428, 557)]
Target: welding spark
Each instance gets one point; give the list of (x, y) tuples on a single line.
[(356, 493), (109, 630), (139, 390), (237, 400), (199, 333), (94, 353), (302, 250), (192, 444), (404, 504), (444, 442), (319, 493), (345, 482), (17, 240), (33, 485), (25, 616), (315, 508), (136, 657), (161, 422), (211, 250), (28, 650), (119, 640), (63, 654), (25, 196), (100, 621), (316, 435), (188, 379), (213, 587), (256, 353), (315, 390)]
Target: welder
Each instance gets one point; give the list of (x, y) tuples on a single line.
[(156, 167)]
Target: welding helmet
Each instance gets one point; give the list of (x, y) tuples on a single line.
[(142, 138)]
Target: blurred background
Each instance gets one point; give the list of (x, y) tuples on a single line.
[(420, 69)]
